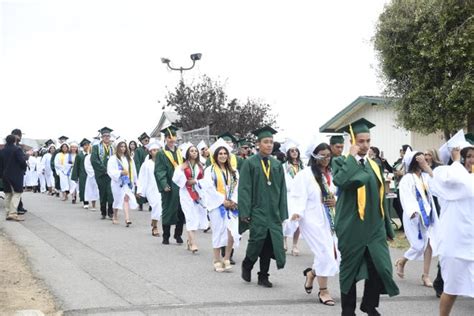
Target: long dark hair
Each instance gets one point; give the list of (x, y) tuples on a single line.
[(414, 166), (315, 168), (464, 152), (227, 164), (290, 160), (129, 148), (186, 156), (127, 152)]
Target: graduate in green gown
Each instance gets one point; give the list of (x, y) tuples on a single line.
[(244, 152), (139, 158), (99, 158), (263, 208), (362, 224), (336, 142), (166, 161), (79, 171)]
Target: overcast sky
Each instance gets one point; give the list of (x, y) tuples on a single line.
[(71, 67)]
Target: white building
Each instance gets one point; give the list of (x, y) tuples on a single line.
[(385, 135)]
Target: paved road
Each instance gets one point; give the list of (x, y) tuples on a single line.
[(96, 268)]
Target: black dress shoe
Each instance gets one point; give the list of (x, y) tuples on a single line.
[(232, 262), (179, 240), (102, 217), (265, 282), (246, 274), (166, 241), (371, 312)]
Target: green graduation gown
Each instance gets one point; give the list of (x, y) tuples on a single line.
[(103, 180), (266, 206), (355, 236), (164, 170), (139, 159), (79, 174)]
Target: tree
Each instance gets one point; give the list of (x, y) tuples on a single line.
[(425, 49), (205, 102)]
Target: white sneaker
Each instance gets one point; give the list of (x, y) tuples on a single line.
[(86, 207)]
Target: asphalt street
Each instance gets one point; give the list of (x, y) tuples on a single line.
[(94, 267)]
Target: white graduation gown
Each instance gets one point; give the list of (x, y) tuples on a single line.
[(220, 224), (91, 190), (119, 191), (148, 188), (314, 224), (289, 226), (195, 213), (413, 226), (454, 187), (40, 171), (48, 172), (64, 171), (31, 174)]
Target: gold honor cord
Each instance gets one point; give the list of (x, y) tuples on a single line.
[(266, 171)]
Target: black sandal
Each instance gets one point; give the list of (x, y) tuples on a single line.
[(308, 289), (326, 302)]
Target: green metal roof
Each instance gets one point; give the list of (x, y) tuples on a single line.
[(356, 104)]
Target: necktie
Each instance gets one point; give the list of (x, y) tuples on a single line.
[(362, 162), (265, 161)]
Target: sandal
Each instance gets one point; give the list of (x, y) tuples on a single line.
[(295, 251), (426, 280), (329, 302), (218, 266), (308, 289), (400, 268), (155, 232), (128, 223)]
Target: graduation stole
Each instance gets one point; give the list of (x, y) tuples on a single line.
[(170, 157), (189, 172), (105, 150), (361, 192), (221, 180), (426, 218), (125, 179), (292, 170)]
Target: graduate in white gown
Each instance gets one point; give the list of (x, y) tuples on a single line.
[(73, 187), (454, 187), (314, 206), (292, 166), (221, 197), (40, 170), (91, 190), (148, 188), (31, 174), (63, 163), (419, 215), (48, 172), (187, 177), (123, 175)]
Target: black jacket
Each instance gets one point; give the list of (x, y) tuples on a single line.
[(12, 167)]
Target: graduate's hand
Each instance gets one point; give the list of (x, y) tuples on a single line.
[(295, 217), (354, 150), (124, 172), (191, 182), (246, 219), (167, 189), (330, 202), (456, 154)]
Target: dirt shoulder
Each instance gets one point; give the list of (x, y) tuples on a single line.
[(19, 288)]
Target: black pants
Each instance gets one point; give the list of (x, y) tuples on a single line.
[(265, 256), (178, 230), (397, 205), (20, 206), (106, 209), (373, 287)]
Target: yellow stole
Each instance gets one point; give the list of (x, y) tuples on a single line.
[(61, 159), (233, 161), (220, 185), (361, 192), (171, 158)]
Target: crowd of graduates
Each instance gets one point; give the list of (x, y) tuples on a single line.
[(332, 194)]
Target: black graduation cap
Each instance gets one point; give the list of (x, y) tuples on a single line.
[(143, 136), (264, 132), (336, 139), (48, 142), (63, 138), (228, 137), (85, 141), (359, 126), (105, 130), (170, 131)]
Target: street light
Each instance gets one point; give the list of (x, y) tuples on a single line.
[(194, 58)]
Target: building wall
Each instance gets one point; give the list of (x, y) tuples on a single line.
[(422, 143)]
